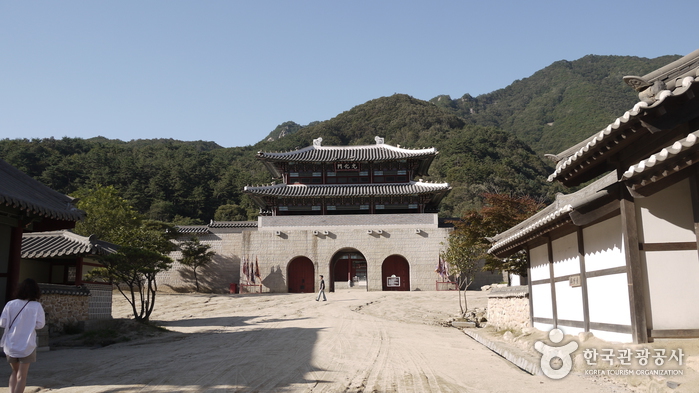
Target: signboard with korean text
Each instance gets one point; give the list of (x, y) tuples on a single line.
[(393, 281), (346, 166)]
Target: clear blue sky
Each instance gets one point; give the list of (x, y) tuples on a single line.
[(231, 71)]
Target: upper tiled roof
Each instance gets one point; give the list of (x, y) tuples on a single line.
[(667, 89), (20, 191), (378, 152), (347, 190), (362, 153), (63, 243)]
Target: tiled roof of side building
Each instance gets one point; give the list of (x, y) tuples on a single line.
[(233, 224), (193, 229), (676, 81), (315, 191), (553, 215), (20, 191), (63, 243)]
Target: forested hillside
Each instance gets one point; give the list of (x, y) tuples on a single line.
[(188, 181), (561, 104), (483, 144)]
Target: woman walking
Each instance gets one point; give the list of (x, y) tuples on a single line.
[(20, 318)]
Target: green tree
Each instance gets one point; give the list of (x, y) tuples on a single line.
[(109, 216), (195, 255), (462, 255), (135, 269), (231, 213), (143, 245), (468, 243)]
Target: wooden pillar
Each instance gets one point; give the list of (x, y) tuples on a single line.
[(554, 306), (79, 271), (634, 269), (13, 263), (529, 284), (583, 280), (694, 192)]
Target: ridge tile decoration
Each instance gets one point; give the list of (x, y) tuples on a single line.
[(365, 179)]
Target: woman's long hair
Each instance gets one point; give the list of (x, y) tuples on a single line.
[(28, 290)]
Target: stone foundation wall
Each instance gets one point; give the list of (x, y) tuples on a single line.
[(508, 308), (65, 310)]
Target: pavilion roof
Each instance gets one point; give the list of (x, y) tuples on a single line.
[(361, 153)]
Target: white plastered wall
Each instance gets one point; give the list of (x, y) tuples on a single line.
[(542, 305), (608, 295), (569, 302), (666, 217)]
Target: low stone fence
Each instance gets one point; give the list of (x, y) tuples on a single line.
[(508, 308), (65, 305)]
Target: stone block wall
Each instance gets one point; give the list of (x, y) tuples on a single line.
[(215, 277), (275, 249), (100, 301), (508, 308)]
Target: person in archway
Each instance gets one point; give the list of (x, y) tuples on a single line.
[(322, 289), (21, 318)]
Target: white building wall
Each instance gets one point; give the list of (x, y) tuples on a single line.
[(666, 217), (608, 295), (604, 247), (542, 304), (568, 299)]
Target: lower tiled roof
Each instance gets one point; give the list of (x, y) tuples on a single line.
[(359, 190), (660, 161), (62, 243), (233, 224)]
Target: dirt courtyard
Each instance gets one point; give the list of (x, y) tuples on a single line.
[(355, 342)]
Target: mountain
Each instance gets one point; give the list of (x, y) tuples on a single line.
[(473, 159), (561, 104)]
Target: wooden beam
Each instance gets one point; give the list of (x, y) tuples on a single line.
[(583, 280), (694, 192), (674, 333), (669, 246), (634, 270), (529, 284), (554, 305)]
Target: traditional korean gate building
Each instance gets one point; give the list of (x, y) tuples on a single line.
[(619, 257), (354, 214)]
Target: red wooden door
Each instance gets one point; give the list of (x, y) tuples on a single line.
[(397, 266), (301, 275)]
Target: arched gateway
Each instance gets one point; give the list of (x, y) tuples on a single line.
[(349, 271), (395, 274), (301, 274)]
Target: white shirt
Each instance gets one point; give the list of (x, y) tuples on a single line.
[(20, 340)]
